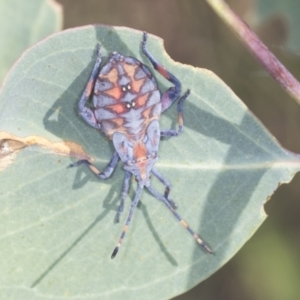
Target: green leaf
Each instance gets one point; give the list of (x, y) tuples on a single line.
[(289, 10), (23, 23), (57, 224)]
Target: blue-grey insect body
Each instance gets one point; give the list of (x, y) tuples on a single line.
[(126, 107)]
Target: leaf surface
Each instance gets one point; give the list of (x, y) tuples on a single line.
[(23, 23), (57, 227)]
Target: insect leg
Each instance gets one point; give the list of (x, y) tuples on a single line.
[(177, 216), (168, 187), (174, 132), (107, 171), (124, 193), (125, 228), (169, 96), (85, 112)]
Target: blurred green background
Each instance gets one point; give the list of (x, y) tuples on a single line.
[(268, 266)]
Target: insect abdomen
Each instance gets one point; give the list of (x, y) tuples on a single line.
[(126, 98)]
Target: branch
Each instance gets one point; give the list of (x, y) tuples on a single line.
[(260, 51)]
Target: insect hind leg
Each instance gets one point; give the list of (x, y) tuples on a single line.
[(164, 181), (178, 217)]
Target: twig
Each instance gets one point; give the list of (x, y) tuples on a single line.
[(260, 51)]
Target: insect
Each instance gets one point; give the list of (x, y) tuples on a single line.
[(126, 107)]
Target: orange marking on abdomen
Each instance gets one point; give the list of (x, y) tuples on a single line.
[(111, 76), (116, 108), (118, 122), (142, 100), (135, 84), (115, 92), (130, 69), (146, 115), (110, 126)]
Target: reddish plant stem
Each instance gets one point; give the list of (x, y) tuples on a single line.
[(260, 51)]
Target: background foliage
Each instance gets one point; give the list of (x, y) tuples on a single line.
[(22, 24)]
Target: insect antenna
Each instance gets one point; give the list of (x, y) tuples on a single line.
[(177, 216), (125, 228)]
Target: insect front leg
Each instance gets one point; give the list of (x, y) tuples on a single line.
[(169, 96), (168, 187), (107, 171), (174, 132), (85, 112)]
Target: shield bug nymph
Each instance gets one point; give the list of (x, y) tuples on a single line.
[(126, 107)]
